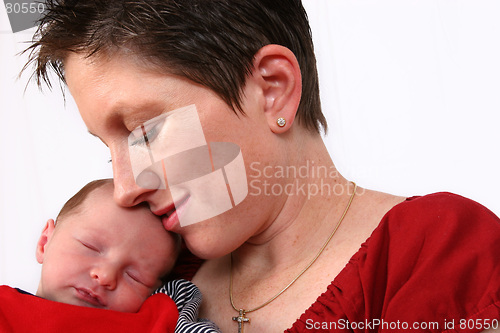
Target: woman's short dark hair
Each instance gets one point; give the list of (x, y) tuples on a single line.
[(211, 42)]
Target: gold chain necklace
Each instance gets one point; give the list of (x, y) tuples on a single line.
[(241, 319)]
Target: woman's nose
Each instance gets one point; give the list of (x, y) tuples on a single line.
[(126, 192), (129, 191)]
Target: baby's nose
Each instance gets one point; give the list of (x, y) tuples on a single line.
[(105, 276)]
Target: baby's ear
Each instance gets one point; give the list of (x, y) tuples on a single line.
[(47, 232)]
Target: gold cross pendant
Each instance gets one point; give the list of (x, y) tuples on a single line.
[(241, 319)]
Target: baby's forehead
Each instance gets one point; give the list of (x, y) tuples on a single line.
[(101, 212)]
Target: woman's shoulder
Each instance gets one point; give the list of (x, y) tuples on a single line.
[(445, 201), (444, 215), (432, 258), (439, 232), (440, 251), (433, 226)]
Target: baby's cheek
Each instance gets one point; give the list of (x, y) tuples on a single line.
[(132, 298)]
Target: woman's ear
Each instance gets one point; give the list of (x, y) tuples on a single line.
[(46, 235), (277, 72)]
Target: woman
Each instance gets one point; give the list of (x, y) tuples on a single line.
[(248, 69)]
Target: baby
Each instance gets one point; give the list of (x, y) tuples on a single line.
[(101, 255)]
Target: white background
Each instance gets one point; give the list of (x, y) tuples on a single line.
[(411, 90)]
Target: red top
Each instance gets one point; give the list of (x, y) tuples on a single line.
[(431, 265), (23, 313)]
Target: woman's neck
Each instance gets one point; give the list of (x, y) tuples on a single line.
[(317, 195)]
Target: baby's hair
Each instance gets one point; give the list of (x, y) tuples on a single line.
[(74, 204)]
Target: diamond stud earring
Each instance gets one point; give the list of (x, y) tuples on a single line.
[(281, 121)]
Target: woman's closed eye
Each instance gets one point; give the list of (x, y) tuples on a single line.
[(141, 137)]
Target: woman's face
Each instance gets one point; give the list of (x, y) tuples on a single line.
[(116, 97)]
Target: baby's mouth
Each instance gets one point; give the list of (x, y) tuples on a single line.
[(90, 297)]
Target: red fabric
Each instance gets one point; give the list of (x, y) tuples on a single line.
[(433, 261), (22, 313)]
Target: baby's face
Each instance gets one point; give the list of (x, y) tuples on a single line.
[(105, 256)]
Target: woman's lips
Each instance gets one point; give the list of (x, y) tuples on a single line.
[(170, 214), (90, 297), (170, 220)]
